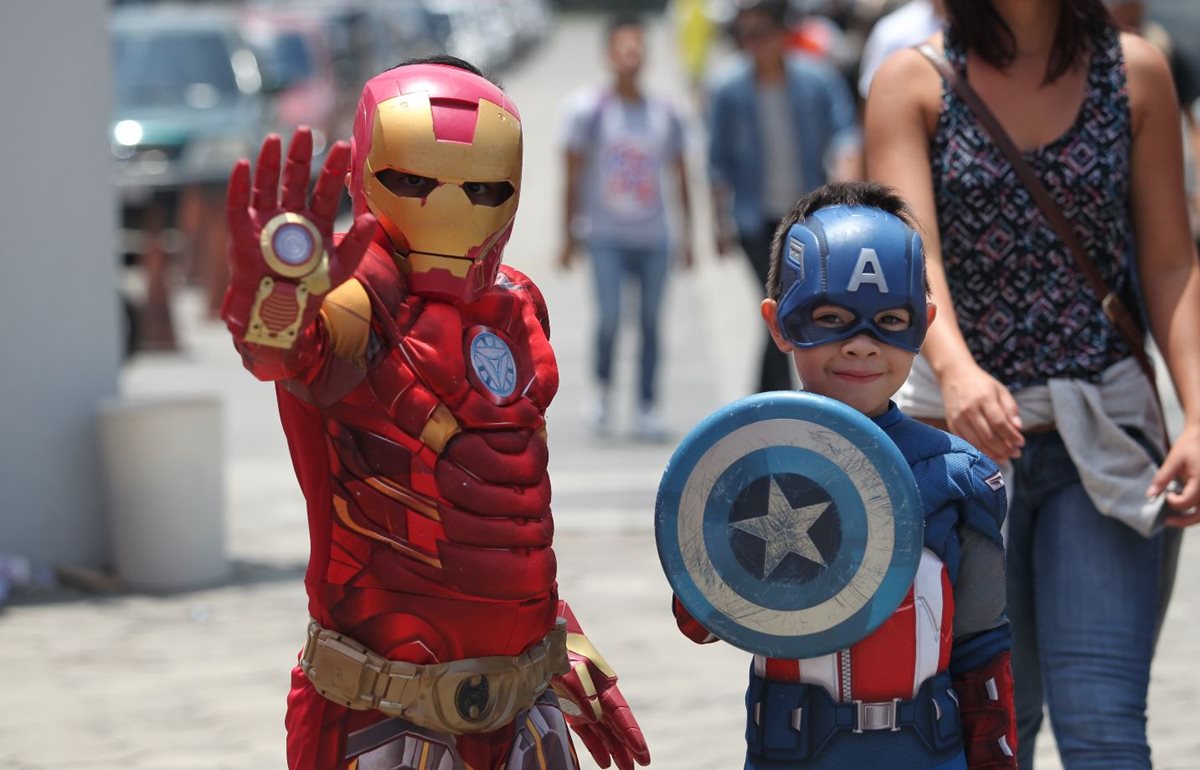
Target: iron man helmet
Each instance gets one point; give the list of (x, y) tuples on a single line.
[(437, 160)]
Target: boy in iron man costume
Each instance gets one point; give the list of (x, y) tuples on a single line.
[(413, 372)]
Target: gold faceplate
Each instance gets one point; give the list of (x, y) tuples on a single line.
[(445, 221)]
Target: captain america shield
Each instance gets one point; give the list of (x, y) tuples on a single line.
[(789, 525)]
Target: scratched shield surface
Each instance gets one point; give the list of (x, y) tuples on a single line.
[(789, 524)]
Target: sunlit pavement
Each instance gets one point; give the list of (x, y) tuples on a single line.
[(197, 680)]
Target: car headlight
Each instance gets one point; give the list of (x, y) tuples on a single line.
[(127, 133)]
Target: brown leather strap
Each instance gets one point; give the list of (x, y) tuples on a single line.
[(1114, 309)]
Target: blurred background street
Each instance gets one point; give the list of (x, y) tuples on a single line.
[(96, 676)]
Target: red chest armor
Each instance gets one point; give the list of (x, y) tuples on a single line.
[(894, 660), (432, 540)]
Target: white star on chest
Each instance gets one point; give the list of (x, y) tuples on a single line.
[(784, 529)]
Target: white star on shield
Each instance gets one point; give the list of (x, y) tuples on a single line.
[(784, 529)]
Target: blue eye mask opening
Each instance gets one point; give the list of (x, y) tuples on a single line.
[(858, 258)]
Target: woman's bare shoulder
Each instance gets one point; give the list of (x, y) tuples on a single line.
[(1144, 62), (1147, 73), (1140, 53), (907, 78)]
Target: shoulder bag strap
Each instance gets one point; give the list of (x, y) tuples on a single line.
[(1114, 308)]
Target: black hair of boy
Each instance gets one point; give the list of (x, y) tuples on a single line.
[(450, 61)]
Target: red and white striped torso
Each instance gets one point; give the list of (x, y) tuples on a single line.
[(910, 647)]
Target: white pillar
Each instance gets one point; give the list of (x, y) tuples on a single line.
[(59, 349)]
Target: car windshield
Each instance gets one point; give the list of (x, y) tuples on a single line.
[(169, 68)]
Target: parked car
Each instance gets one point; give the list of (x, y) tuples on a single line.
[(464, 33), (499, 31), (533, 20), (298, 75), (188, 98), (366, 37), (187, 104)]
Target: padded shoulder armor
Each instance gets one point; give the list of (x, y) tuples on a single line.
[(952, 476), (347, 314)]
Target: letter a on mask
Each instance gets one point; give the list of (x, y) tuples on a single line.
[(868, 258)]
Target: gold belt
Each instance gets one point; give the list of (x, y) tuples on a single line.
[(476, 695)]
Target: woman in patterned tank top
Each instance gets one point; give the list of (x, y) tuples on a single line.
[(1093, 111)]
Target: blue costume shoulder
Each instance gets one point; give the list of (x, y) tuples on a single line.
[(958, 485)]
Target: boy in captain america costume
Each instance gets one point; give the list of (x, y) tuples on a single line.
[(413, 372), (931, 687)]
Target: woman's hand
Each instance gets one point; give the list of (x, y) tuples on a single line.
[(1182, 466), (982, 411)]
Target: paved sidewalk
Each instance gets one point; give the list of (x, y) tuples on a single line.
[(196, 681)]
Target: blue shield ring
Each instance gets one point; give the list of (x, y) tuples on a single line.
[(789, 525)]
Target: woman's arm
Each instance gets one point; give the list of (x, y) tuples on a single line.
[(901, 113), (1166, 256)]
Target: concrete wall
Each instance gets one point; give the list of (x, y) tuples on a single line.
[(59, 350)]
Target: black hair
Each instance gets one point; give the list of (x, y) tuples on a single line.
[(876, 196), (981, 29), (775, 10), (620, 21), (450, 61)]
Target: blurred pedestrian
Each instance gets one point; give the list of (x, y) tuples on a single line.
[(906, 26), (1131, 14), (695, 31), (780, 126), (1030, 363), (623, 146)]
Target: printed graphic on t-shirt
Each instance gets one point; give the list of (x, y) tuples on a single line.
[(629, 172)]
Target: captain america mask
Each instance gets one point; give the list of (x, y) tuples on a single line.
[(858, 258)]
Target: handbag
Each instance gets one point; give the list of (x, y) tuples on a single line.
[(1115, 310)]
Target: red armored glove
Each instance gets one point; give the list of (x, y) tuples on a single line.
[(282, 256), (593, 704), (985, 704)]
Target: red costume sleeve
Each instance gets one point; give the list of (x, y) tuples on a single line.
[(689, 626)]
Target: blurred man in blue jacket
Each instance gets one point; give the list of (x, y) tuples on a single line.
[(779, 126)]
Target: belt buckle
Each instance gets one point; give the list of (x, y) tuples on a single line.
[(876, 716), (337, 671)]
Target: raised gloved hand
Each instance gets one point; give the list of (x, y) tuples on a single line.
[(593, 704), (282, 254)]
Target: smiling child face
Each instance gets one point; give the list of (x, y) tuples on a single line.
[(859, 371)]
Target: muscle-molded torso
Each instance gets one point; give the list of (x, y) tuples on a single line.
[(437, 515)]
